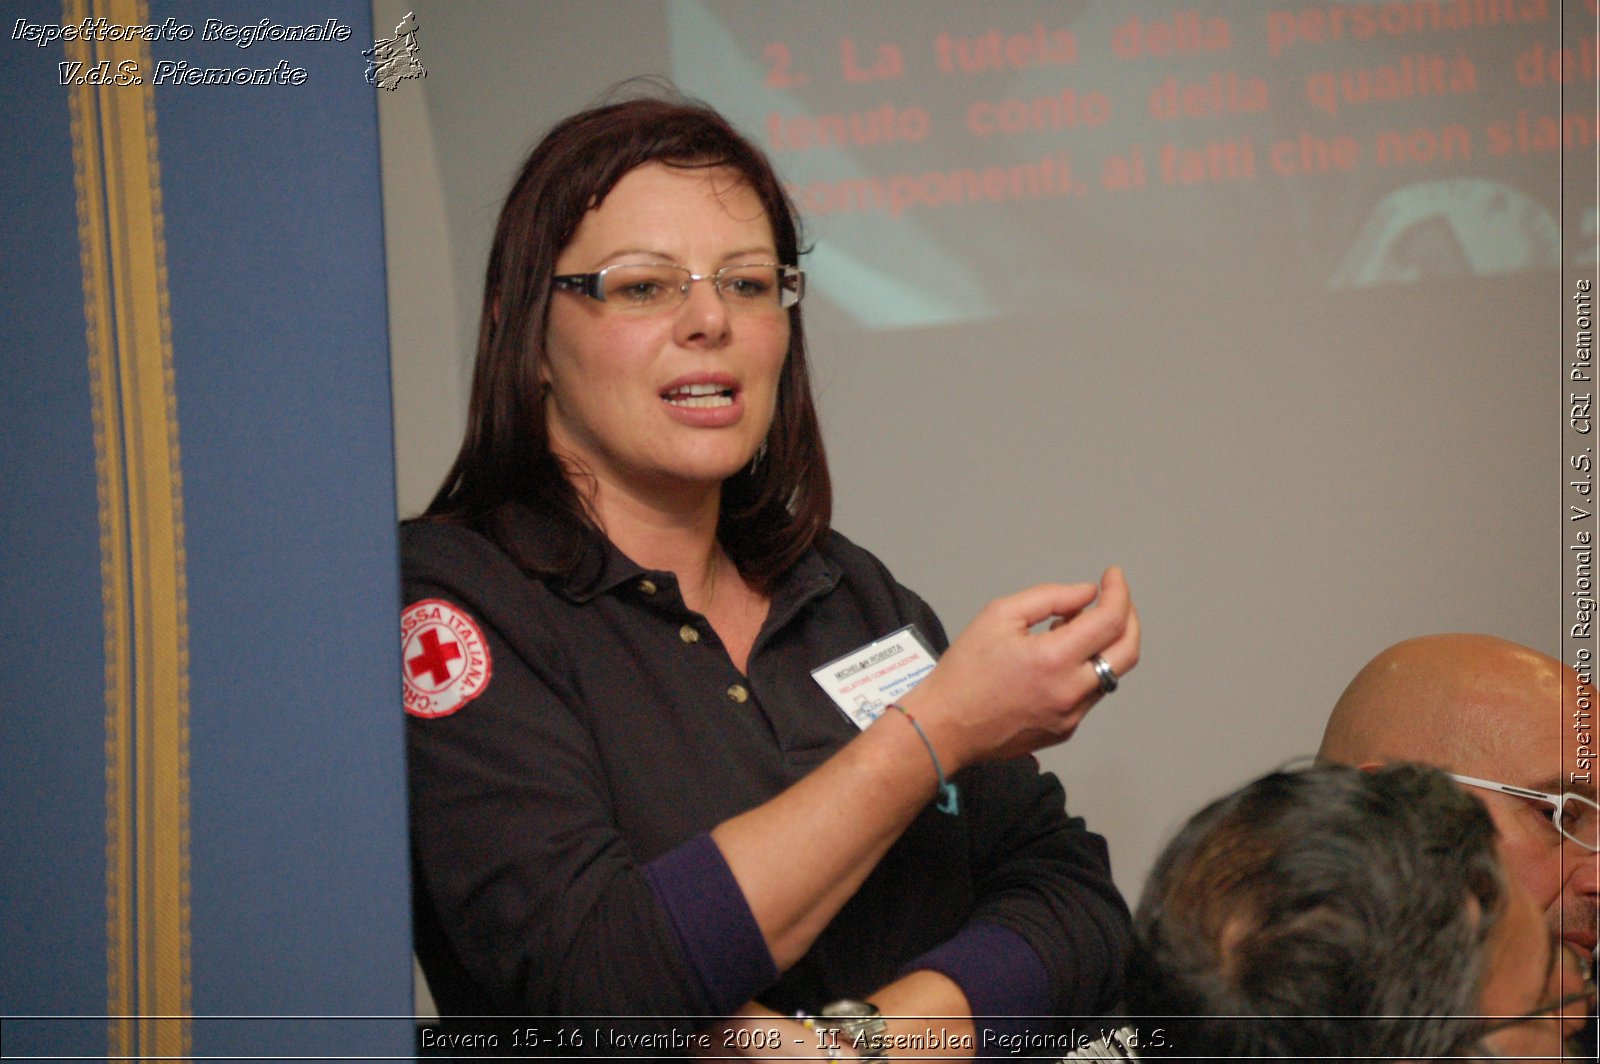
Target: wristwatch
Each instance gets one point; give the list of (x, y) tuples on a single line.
[(861, 1024)]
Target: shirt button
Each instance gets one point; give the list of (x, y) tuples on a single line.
[(737, 693), (647, 586), (688, 634)]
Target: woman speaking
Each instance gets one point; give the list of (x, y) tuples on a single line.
[(634, 789)]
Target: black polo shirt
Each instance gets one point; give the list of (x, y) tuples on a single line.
[(560, 817)]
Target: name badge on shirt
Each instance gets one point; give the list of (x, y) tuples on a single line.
[(864, 681)]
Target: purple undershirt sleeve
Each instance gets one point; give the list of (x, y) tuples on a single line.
[(713, 922), (1002, 976)]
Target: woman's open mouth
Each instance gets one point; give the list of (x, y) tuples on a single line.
[(700, 396)]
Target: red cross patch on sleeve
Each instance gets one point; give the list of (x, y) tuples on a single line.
[(444, 658)]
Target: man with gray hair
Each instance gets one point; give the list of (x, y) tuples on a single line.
[(1514, 726), (1331, 913)]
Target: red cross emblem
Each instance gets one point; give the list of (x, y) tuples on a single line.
[(446, 658), (435, 657)]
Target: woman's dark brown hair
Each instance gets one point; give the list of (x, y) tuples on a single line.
[(772, 513)]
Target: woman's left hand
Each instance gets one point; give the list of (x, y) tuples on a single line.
[(1001, 690), (1004, 689)]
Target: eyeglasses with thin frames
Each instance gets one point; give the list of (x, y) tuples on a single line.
[(657, 287), (1576, 817)]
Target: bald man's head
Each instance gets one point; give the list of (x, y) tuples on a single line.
[(1446, 700), (1483, 707)]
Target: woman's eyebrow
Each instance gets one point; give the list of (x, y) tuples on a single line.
[(619, 252), (760, 249)]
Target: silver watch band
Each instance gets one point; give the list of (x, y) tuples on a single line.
[(859, 1023)]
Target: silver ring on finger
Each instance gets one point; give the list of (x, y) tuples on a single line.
[(1105, 673)]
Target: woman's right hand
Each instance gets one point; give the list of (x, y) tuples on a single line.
[(1002, 690)]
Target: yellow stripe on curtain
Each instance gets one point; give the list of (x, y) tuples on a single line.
[(141, 535)]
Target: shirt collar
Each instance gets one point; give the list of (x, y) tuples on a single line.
[(547, 544), (602, 567)]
